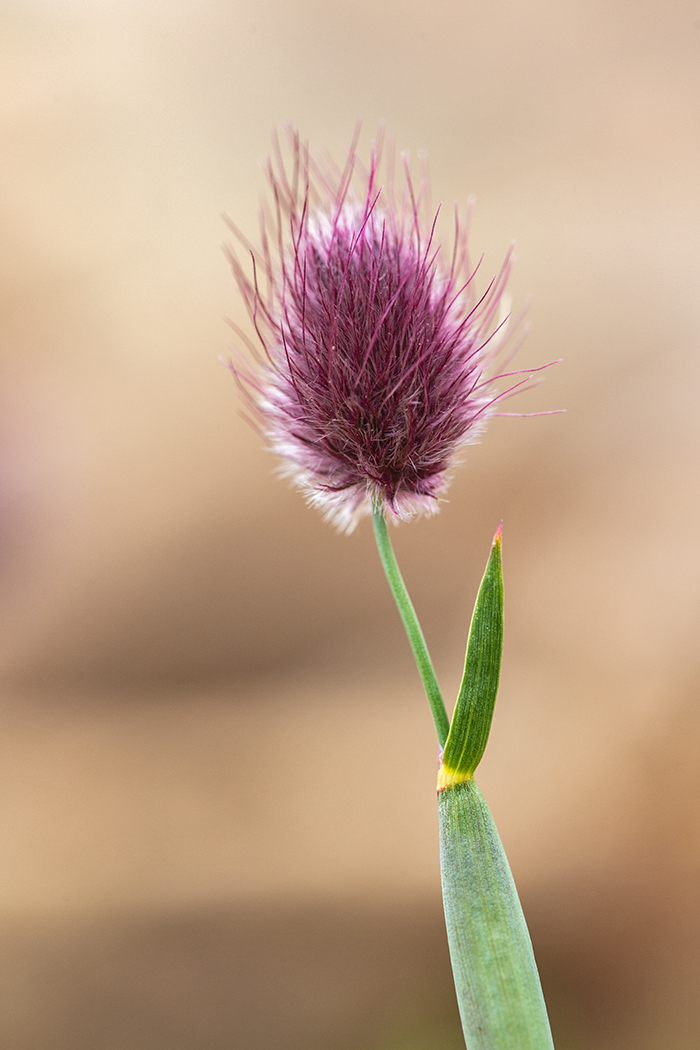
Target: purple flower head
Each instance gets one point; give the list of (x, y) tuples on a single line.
[(378, 352)]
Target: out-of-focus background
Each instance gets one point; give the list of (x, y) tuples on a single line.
[(217, 770)]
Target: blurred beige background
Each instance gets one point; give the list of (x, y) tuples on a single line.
[(217, 818)]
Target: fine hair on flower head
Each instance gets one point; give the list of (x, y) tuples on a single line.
[(379, 356)]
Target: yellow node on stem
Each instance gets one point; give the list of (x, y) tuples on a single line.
[(449, 777)]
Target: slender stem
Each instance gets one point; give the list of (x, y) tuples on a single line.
[(413, 630)]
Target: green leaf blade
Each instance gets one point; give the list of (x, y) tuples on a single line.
[(471, 722)]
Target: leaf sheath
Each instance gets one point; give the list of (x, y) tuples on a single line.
[(496, 979)]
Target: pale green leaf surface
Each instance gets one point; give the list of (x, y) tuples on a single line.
[(496, 979)]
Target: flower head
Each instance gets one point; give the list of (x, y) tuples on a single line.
[(378, 353)]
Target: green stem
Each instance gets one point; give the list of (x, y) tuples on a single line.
[(413, 630)]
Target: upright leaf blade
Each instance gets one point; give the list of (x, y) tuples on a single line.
[(471, 722)]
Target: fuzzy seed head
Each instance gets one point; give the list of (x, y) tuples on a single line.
[(378, 354)]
